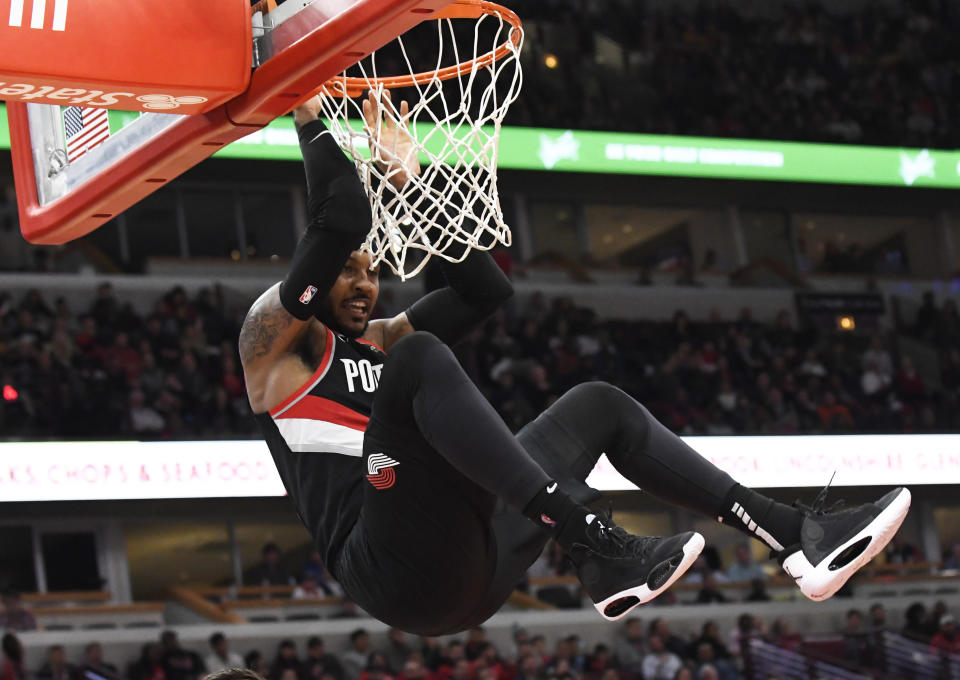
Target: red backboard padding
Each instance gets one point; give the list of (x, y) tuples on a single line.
[(310, 48), (150, 55)]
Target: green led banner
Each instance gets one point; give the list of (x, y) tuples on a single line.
[(4, 129), (627, 153)]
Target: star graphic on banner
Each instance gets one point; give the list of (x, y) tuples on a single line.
[(562, 148), (918, 166)]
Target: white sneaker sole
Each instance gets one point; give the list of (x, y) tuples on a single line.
[(691, 550), (818, 582)]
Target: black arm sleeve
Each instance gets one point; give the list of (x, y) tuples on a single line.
[(340, 219), (476, 287)]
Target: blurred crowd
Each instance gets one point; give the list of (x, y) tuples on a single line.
[(109, 372), (635, 650), (738, 376), (868, 73)]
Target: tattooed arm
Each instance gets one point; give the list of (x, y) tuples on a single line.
[(269, 342)]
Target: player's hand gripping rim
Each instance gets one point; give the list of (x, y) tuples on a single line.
[(391, 144)]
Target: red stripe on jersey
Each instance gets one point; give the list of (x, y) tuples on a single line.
[(308, 385), (372, 344), (318, 408)]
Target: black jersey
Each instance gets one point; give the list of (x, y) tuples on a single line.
[(316, 438)]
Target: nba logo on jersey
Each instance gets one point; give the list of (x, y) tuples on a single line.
[(308, 294)]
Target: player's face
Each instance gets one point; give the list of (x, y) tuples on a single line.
[(348, 307)]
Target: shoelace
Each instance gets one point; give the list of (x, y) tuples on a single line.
[(819, 505), (620, 539)]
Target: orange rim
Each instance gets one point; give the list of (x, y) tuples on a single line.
[(459, 9)]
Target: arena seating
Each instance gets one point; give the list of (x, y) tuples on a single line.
[(691, 68), (800, 640), (173, 372)]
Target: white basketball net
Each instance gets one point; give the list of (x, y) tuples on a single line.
[(454, 200)]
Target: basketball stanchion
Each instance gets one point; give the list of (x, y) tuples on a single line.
[(300, 47)]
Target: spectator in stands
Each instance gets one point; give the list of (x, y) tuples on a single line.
[(355, 657), (748, 627), (947, 638), (910, 384), (744, 568), (660, 663), (758, 591), (489, 663), (673, 643), (710, 635), (449, 655), (56, 667), (93, 662), (286, 660), (705, 656), (476, 640), (878, 357), (150, 664), (927, 318), (320, 665), (857, 645), (318, 570), (15, 617), (529, 667), (220, 656), (899, 551), (398, 650), (460, 670), (938, 611), (833, 414), (577, 658), (707, 562), (13, 663), (874, 383), (414, 669), (599, 661), (270, 572), (376, 668), (878, 618), (562, 659), (915, 622), (710, 590), (308, 588), (145, 421), (952, 560), (179, 663), (255, 661), (629, 647), (782, 635)]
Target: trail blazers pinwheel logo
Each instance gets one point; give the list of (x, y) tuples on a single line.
[(380, 471)]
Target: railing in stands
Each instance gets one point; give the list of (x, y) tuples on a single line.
[(766, 660), (873, 581), (90, 609), (913, 660)]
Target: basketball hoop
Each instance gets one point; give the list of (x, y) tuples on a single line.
[(457, 108)]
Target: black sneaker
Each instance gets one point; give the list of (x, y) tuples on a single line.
[(834, 544), (621, 571)]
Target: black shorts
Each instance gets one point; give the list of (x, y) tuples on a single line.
[(433, 552)]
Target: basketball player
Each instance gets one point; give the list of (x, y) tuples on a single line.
[(395, 462)]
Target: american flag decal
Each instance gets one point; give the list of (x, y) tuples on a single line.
[(85, 128)]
